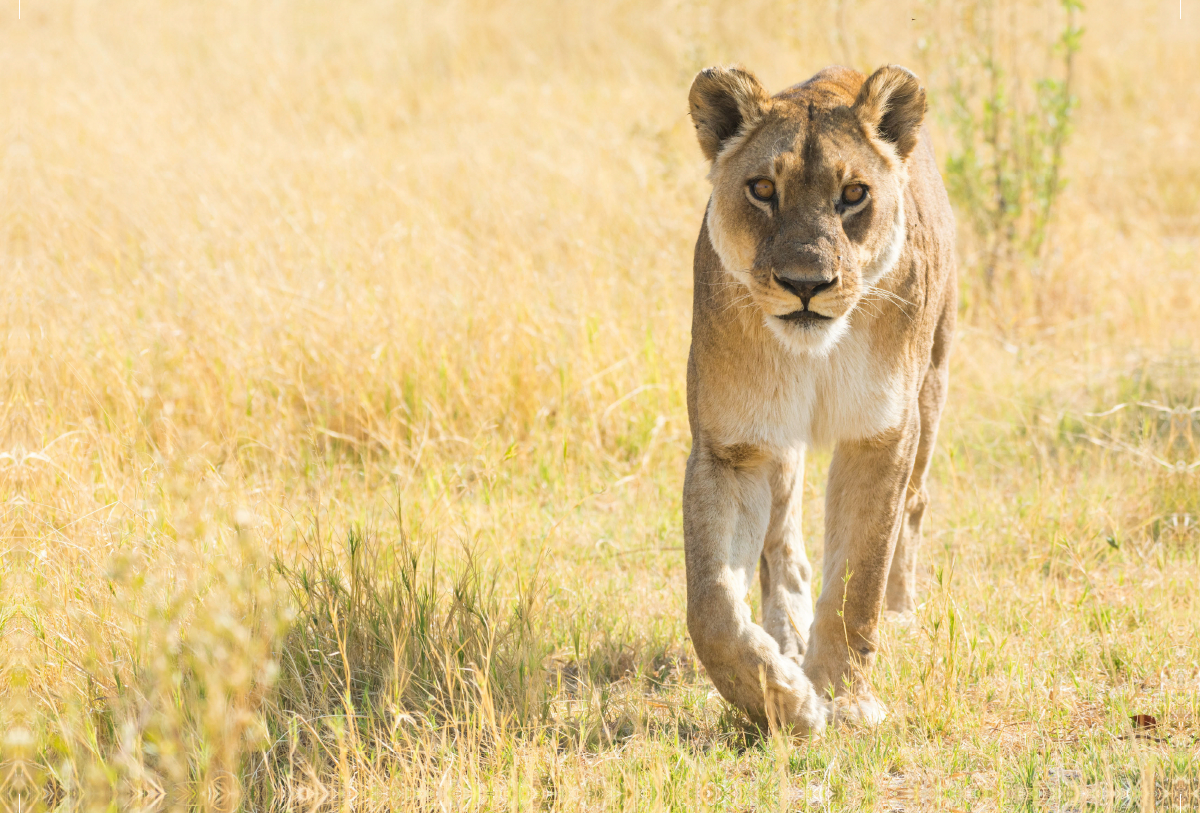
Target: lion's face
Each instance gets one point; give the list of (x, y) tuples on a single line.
[(808, 188)]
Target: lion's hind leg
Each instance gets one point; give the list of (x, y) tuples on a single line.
[(902, 576)]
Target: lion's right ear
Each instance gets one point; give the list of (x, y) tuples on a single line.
[(722, 101)]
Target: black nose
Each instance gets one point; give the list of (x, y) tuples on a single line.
[(806, 289)]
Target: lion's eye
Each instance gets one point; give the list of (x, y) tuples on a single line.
[(854, 193), (762, 189)]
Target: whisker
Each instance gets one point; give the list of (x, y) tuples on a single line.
[(720, 285), (878, 297), (890, 295)]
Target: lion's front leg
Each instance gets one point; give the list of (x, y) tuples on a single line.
[(784, 571), (864, 507), (726, 509)]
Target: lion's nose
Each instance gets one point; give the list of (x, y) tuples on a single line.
[(806, 289)]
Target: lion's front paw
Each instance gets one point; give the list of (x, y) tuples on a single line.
[(859, 710), (796, 705)]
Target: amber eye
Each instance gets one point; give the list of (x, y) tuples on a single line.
[(854, 193), (762, 189)]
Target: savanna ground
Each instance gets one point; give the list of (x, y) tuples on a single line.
[(344, 427)]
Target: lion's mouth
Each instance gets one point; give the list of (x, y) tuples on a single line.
[(805, 317)]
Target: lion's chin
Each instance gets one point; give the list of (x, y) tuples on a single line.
[(806, 333)]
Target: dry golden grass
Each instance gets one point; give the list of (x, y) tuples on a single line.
[(344, 423)]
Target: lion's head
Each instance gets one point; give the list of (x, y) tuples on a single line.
[(807, 209)]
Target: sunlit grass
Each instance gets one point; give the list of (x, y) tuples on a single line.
[(344, 424)]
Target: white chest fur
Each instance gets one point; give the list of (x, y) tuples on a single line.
[(849, 393)]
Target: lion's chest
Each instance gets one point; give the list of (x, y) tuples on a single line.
[(849, 394)]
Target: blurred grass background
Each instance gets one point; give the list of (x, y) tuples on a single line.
[(344, 425)]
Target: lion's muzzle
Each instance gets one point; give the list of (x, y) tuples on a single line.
[(804, 288)]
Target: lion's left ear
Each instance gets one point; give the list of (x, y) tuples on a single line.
[(892, 102)]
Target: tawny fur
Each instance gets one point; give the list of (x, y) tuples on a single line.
[(870, 380)]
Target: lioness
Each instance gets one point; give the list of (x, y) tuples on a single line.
[(825, 296)]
